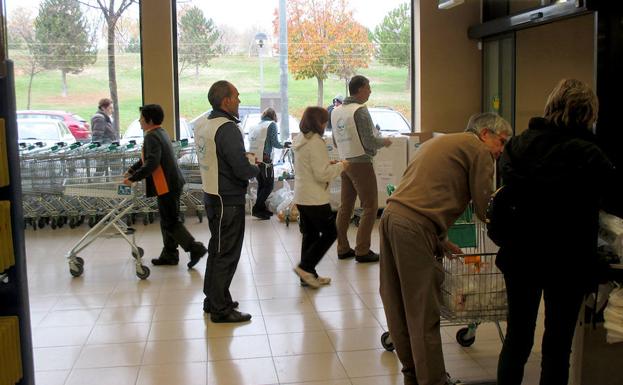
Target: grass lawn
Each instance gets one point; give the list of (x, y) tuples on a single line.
[(87, 87)]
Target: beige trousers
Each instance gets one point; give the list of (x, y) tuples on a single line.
[(358, 179), (411, 280)]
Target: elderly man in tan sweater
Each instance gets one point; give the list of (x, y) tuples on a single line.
[(447, 172)]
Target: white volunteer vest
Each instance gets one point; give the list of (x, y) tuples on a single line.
[(205, 145), (345, 131), (257, 138)]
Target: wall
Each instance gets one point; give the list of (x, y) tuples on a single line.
[(157, 58), (447, 65), (547, 54)]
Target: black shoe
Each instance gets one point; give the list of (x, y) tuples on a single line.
[(164, 261), (370, 257), (206, 307), (196, 253), (261, 216), (349, 254), (233, 316)]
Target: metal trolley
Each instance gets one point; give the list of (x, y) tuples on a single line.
[(119, 199), (473, 290)]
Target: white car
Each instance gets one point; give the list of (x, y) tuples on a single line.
[(389, 122), (135, 133), (47, 131)]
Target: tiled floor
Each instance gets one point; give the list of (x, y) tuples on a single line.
[(108, 327)]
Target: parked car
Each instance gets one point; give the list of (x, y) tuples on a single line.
[(78, 126), (48, 131), (388, 121), (135, 133), (243, 111)]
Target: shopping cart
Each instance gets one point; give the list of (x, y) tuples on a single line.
[(473, 290), (106, 189)]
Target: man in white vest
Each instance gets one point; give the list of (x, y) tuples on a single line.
[(225, 173), (262, 139), (353, 134)]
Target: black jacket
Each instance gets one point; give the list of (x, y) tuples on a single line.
[(102, 128), (157, 154), (234, 169), (562, 178)]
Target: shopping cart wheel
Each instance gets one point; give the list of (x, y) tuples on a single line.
[(141, 252), (79, 261), (461, 337), (150, 216), (386, 341), (41, 223), (200, 216), (76, 270), (144, 274)]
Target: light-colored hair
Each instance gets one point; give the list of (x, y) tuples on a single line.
[(491, 121), (270, 114), (572, 104)]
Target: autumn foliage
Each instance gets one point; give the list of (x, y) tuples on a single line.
[(324, 39)]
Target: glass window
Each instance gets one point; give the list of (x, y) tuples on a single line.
[(368, 38)]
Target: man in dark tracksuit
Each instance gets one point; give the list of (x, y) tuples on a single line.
[(225, 173), (158, 165)]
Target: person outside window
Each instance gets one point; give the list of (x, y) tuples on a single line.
[(102, 129)]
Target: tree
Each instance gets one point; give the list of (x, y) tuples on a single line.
[(324, 39), (62, 38), (111, 18), (198, 39), (393, 38), (21, 32)]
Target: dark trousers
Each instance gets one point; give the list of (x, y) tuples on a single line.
[(227, 233), (265, 183), (319, 232), (562, 305), (174, 232)]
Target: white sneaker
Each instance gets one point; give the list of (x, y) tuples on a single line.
[(308, 278)]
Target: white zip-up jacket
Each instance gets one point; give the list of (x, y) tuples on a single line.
[(312, 170)]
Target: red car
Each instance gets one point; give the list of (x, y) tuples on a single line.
[(77, 125)]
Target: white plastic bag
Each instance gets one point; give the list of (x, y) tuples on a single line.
[(276, 198)]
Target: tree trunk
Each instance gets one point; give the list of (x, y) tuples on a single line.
[(320, 91), (64, 81), (32, 75), (112, 73), (197, 71)]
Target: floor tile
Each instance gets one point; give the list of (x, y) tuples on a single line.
[(104, 376), (191, 373), (255, 371), (109, 355), (300, 343), (309, 367)]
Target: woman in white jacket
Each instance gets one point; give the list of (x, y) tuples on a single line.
[(312, 173)]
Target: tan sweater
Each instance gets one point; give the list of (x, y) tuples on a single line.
[(446, 173)]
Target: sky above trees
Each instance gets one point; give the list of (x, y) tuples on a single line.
[(256, 12)]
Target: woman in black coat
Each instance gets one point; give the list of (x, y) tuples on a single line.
[(560, 177)]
